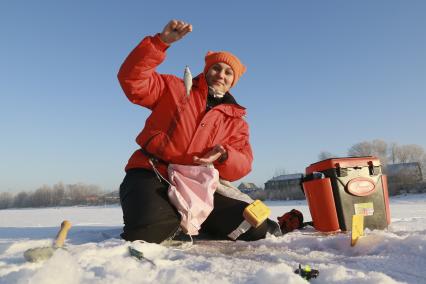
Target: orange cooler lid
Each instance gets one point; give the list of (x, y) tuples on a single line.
[(347, 162)]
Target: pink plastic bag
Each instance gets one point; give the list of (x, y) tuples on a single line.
[(191, 192)]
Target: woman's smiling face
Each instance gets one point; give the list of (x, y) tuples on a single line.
[(220, 77)]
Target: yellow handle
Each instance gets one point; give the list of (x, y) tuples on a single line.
[(357, 228), (62, 234)]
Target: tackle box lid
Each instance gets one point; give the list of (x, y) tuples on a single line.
[(347, 162)]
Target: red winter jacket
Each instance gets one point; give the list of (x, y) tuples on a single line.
[(179, 127)]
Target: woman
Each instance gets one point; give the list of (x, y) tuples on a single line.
[(205, 127)]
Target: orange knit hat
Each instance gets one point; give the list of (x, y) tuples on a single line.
[(228, 58)]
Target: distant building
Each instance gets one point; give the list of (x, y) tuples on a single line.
[(285, 187), (404, 173), (91, 199), (247, 187), (405, 177), (112, 197)]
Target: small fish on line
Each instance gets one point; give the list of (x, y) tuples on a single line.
[(187, 79)]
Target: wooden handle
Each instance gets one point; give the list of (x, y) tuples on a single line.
[(62, 234)]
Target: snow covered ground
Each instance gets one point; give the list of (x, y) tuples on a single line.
[(93, 255)]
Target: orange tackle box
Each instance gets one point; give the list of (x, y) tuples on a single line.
[(338, 188)]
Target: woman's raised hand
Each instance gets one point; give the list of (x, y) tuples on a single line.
[(174, 31)]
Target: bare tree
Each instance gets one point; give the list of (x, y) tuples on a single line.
[(361, 149), (380, 150), (377, 148), (409, 153), (22, 199), (393, 148), (58, 194), (6, 200), (42, 197)]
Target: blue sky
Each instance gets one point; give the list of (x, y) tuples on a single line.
[(322, 76)]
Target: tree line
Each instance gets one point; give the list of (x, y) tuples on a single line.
[(57, 195), (388, 153), (83, 194)]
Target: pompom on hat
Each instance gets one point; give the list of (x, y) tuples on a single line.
[(228, 58)]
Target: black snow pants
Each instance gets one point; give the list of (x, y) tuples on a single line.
[(148, 215)]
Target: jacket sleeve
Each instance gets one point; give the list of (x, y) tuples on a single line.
[(137, 76), (240, 156)]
